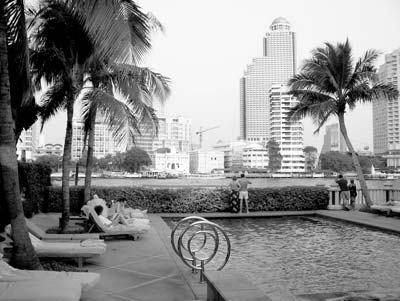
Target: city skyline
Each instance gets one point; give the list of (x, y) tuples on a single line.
[(206, 47)]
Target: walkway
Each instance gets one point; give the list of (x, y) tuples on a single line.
[(133, 270), (391, 224)]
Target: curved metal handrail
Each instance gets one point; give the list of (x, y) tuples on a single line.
[(202, 227)]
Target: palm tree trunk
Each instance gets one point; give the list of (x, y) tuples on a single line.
[(356, 162), (24, 255), (89, 159), (66, 164)]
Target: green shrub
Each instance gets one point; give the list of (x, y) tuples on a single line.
[(194, 200), (34, 178)]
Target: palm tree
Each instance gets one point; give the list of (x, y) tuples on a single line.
[(24, 255), (59, 52), (66, 34), (329, 83), (125, 116)]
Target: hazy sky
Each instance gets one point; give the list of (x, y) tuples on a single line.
[(208, 44)]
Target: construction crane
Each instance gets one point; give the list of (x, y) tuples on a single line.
[(201, 131)]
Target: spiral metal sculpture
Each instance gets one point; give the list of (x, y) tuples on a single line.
[(198, 228)]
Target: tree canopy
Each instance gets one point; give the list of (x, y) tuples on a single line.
[(135, 158), (275, 157)]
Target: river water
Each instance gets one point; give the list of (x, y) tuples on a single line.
[(218, 182)]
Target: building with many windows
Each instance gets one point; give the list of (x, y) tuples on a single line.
[(333, 140), (255, 156), (50, 150), (104, 143), (276, 66), (385, 113), (28, 143), (173, 132), (288, 133), (233, 154)]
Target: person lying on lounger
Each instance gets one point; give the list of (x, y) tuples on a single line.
[(126, 211), (119, 220)]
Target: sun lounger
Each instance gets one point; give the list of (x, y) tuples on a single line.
[(22, 285), (119, 230), (387, 209), (76, 250), (39, 233)]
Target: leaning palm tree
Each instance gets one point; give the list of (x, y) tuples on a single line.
[(329, 84), (13, 48), (66, 34), (125, 115)]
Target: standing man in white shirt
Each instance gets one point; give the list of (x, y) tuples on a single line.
[(243, 193)]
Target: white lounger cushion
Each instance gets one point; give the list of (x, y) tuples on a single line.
[(95, 247), (10, 274)]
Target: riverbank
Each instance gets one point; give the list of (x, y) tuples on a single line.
[(201, 182)]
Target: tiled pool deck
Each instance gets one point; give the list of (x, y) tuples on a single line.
[(148, 269)]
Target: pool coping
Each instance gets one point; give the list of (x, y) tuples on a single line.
[(200, 289)]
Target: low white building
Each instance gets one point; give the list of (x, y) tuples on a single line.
[(203, 161), (233, 153), (255, 156), (174, 163)]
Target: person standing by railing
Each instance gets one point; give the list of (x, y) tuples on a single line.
[(234, 187), (243, 193), (344, 191), (353, 193)]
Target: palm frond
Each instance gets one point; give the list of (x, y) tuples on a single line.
[(120, 31), (129, 80), (117, 114), (55, 99), (364, 69)]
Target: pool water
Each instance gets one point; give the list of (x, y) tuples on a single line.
[(312, 255)]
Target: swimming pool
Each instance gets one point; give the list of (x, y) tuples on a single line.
[(312, 255)]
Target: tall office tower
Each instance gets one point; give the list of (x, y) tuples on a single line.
[(104, 143), (385, 113), (276, 66), (333, 140), (288, 133)]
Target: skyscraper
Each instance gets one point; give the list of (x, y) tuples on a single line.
[(276, 66), (333, 140), (386, 121)]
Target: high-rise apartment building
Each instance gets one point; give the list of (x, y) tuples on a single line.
[(28, 143), (173, 132), (104, 143), (288, 133), (333, 140), (276, 66), (386, 120)]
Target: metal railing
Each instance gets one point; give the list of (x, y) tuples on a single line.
[(378, 196), (195, 255)]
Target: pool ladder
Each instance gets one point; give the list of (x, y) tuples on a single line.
[(190, 228)]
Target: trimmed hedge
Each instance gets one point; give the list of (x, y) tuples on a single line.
[(34, 178), (192, 200)]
